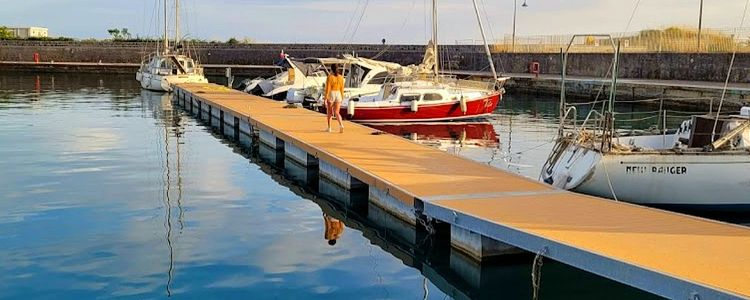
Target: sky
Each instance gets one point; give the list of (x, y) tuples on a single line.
[(342, 21)]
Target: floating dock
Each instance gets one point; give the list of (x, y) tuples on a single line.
[(490, 211)]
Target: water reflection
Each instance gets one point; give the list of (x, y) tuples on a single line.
[(445, 136), (445, 270), (160, 105), (333, 229), (115, 193), (115, 84)]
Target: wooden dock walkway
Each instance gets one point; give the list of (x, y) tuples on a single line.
[(665, 253)]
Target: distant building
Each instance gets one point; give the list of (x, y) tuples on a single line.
[(29, 32)]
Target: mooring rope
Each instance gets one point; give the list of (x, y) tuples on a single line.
[(536, 272), (609, 181)]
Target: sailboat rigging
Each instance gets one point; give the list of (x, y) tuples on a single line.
[(680, 168), (162, 69), (428, 95)]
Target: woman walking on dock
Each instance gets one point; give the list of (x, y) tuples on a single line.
[(333, 96)]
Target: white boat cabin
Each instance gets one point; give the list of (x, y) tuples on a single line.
[(422, 91), (171, 64), (695, 133)]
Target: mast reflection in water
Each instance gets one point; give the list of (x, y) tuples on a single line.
[(171, 121)]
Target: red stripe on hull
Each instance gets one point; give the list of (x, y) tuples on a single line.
[(426, 112)]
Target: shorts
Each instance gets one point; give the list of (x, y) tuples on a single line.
[(335, 96)]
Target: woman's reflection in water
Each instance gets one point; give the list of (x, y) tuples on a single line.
[(334, 229)]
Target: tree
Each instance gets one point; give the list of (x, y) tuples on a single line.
[(124, 34), (114, 32), (233, 41), (120, 34), (6, 34)]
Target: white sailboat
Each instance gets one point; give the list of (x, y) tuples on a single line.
[(704, 164), (165, 67)]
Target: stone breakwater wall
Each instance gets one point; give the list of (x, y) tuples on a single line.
[(664, 66)]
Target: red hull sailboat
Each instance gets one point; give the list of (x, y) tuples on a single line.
[(408, 111), (427, 95)]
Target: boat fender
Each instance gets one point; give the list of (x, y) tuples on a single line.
[(350, 108), (463, 105), (414, 105)]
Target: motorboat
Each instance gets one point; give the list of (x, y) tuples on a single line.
[(362, 76), (168, 66), (426, 95), (297, 75), (303, 80), (703, 164)]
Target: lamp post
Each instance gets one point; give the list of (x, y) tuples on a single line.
[(700, 25), (515, 8)]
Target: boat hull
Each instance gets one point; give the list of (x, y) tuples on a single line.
[(687, 180), (425, 112), (162, 83)]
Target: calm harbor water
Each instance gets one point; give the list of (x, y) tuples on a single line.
[(110, 192)]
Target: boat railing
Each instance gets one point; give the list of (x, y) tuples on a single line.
[(649, 114), (574, 111), (588, 118), (449, 80), (476, 84)]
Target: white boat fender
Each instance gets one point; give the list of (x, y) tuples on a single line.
[(415, 105), (351, 107), (464, 108), (745, 111)]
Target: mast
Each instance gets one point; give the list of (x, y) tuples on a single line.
[(436, 68), (484, 38), (613, 87), (176, 22), (166, 27)]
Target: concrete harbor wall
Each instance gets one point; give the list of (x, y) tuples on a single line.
[(102, 57), (683, 95), (662, 66)]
